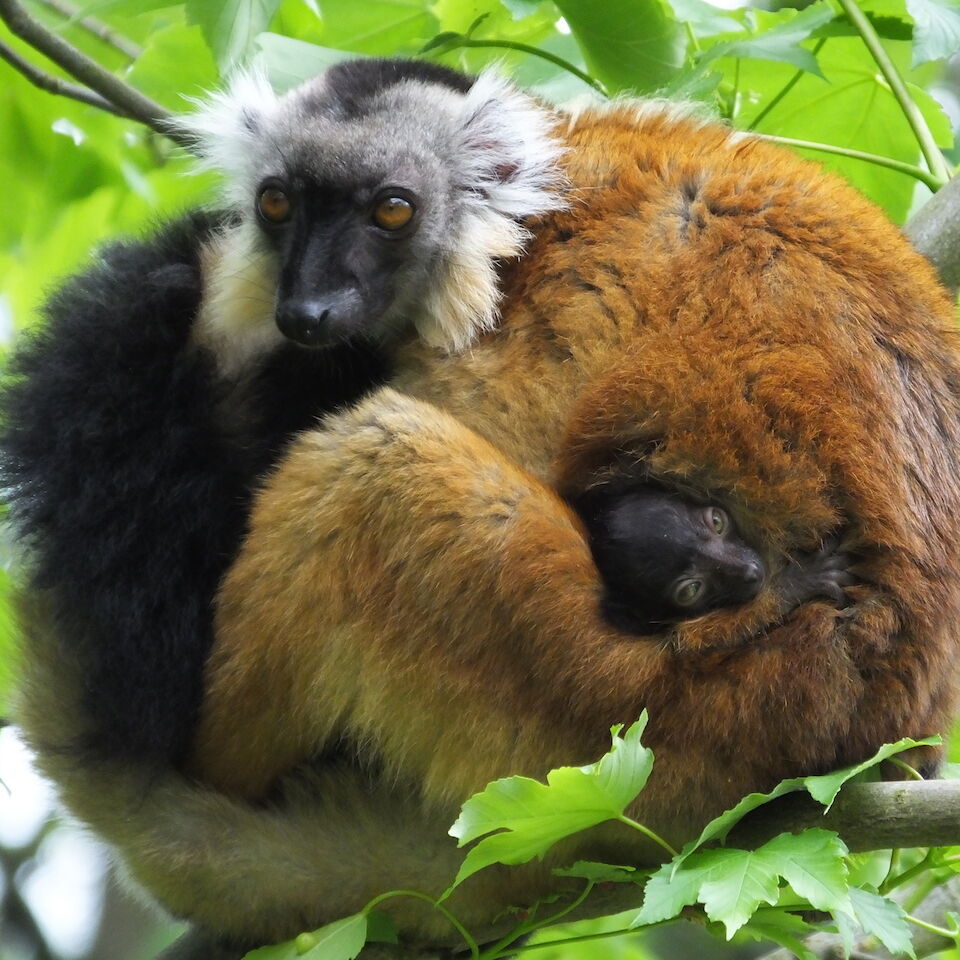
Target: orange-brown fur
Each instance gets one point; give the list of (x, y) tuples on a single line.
[(714, 311)]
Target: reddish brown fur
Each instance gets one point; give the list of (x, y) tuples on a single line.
[(716, 310)]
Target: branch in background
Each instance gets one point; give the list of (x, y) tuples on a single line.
[(98, 28), (52, 84), (125, 99), (935, 231)]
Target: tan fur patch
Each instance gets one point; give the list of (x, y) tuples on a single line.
[(236, 322)]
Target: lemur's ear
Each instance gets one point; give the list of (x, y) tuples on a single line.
[(508, 149), (228, 127), (507, 160)]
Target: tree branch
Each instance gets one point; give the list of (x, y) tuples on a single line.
[(868, 816), (935, 231), (56, 85), (126, 99), (102, 31)]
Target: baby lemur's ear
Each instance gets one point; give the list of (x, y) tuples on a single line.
[(506, 157)]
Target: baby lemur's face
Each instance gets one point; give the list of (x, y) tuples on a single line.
[(664, 558)]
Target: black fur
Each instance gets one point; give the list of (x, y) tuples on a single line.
[(129, 485), (350, 85), (648, 542)]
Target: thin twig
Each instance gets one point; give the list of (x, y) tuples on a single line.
[(103, 31), (125, 98), (466, 41), (928, 145), (52, 84), (910, 169)]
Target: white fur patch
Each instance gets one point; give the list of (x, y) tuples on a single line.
[(510, 148), (228, 130), (464, 304), (236, 320)]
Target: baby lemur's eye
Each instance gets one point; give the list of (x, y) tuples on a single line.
[(274, 205), (393, 213), (717, 519), (687, 592)]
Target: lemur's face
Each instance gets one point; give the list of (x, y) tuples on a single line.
[(381, 195), (360, 207)]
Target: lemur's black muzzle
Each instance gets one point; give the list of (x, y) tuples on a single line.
[(318, 321)]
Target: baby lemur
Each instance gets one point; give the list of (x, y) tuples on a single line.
[(665, 558)]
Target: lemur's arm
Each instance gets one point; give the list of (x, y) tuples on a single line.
[(407, 588)]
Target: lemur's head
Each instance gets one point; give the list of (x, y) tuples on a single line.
[(381, 194)]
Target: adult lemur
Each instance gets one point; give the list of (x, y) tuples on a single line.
[(138, 418), (709, 313)]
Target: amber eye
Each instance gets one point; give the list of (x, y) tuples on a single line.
[(717, 519), (393, 213), (687, 592), (274, 205)]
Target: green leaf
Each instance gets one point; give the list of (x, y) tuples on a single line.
[(669, 890), (936, 34), (731, 884), (289, 62), (381, 927), (824, 789), (887, 27), (631, 45), (522, 8), (852, 108), (719, 827), (379, 27), (740, 881), (598, 872), (99, 7), (8, 645), (448, 40), (786, 929), (705, 19), (883, 919), (341, 940), (534, 816), (175, 51), (868, 869), (781, 42), (231, 26), (813, 863)]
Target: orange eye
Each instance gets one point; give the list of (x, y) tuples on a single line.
[(274, 205), (392, 213)]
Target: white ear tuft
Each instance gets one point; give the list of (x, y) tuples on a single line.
[(228, 128), (507, 159), (510, 149)]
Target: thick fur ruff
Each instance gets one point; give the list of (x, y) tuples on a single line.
[(714, 314), (131, 486)]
